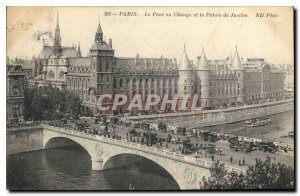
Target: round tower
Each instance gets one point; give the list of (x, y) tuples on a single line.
[(186, 81), (204, 81), (240, 73)]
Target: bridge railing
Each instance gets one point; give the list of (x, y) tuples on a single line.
[(138, 146)]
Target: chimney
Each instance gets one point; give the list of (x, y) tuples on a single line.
[(110, 42)]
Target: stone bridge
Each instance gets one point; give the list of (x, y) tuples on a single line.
[(186, 171)]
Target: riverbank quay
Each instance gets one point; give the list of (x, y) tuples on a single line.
[(24, 139), (205, 118)]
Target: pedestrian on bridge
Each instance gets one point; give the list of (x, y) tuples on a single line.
[(231, 159)]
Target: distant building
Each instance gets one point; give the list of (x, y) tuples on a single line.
[(27, 66), (217, 82), (289, 76), (14, 92)]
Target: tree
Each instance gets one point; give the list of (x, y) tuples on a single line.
[(262, 175), (268, 175), (221, 179), (49, 103)]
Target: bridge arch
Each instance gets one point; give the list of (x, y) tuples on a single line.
[(143, 162), (90, 146), (187, 175), (181, 174), (58, 142)]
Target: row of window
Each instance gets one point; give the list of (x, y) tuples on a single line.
[(51, 75)]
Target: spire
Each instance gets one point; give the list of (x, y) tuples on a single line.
[(99, 33), (57, 21), (202, 63), (78, 50), (57, 38), (99, 29), (236, 61), (184, 62)]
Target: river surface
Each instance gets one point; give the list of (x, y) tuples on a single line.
[(277, 130), (70, 168)]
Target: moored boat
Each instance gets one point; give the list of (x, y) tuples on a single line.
[(256, 122)]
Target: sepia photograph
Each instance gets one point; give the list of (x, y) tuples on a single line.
[(150, 98)]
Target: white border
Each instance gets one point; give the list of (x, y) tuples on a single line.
[(5, 3)]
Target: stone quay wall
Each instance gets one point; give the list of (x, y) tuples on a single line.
[(24, 139), (206, 118)]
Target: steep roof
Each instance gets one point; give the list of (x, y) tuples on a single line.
[(101, 46), (202, 63), (27, 64), (50, 50), (99, 29), (236, 61), (184, 63), (69, 52), (80, 62), (144, 64)]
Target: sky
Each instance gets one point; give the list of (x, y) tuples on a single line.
[(155, 36)]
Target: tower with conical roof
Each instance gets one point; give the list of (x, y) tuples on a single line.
[(236, 65), (203, 79), (186, 80), (57, 38), (101, 75)]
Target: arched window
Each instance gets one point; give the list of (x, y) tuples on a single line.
[(51, 74), (61, 75), (16, 89)]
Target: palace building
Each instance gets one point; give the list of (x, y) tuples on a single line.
[(231, 81)]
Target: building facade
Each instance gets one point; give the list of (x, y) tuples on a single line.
[(217, 83), (14, 92), (289, 77)]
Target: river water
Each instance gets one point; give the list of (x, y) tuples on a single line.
[(70, 168), (279, 127)]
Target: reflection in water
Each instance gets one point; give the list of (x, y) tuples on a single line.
[(70, 169)]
